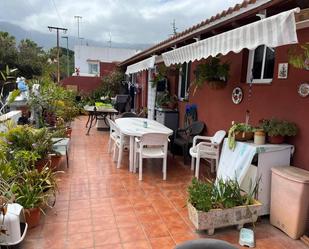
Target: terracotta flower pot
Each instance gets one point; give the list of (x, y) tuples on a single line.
[(33, 216), (40, 164), (55, 161), (172, 105), (244, 136), (276, 139), (68, 131)]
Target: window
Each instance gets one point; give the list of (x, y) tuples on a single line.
[(184, 81), (261, 65), (93, 68)]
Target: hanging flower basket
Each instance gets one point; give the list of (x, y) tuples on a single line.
[(213, 72), (217, 84)]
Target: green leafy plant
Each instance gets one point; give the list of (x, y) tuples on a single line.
[(111, 84), (215, 73), (53, 101), (24, 159), (276, 127), (222, 194), (7, 78), (166, 100), (34, 188), (234, 130), (26, 144), (6, 195), (200, 195), (160, 75)]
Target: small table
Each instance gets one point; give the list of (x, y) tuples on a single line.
[(98, 112), (134, 127), (61, 146)]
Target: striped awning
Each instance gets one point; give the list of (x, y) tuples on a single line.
[(273, 31), (141, 65)]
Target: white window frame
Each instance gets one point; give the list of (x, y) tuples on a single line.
[(250, 67), (98, 67), (186, 82)]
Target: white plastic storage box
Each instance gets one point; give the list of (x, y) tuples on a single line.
[(289, 210)]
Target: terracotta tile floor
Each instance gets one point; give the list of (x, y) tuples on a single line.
[(102, 207)]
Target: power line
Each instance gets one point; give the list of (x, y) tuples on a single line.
[(55, 6)]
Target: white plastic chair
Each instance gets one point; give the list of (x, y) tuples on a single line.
[(113, 134), (120, 141), (151, 145), (208, 148)]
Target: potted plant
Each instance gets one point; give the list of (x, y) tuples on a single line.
[(165, 100), (37, 142), (220, 204), (277, 129), (160, 75), (215, 73), (300, 60), (33, 189), (240, 132)]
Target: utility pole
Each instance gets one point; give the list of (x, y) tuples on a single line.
[(58, 63), (68, 61), (78, 19)]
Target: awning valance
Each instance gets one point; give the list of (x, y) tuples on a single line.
[(141, 65), (273, 31)]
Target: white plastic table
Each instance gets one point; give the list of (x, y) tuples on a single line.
[(134, 127)]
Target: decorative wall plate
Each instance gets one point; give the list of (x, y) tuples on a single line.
[(303, 90), (237, 95)]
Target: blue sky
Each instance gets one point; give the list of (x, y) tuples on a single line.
[(129, 21)]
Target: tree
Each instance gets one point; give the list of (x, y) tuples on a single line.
[(8, 51), (63, 60), (31, 59), (112, 83)]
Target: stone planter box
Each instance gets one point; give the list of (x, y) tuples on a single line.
[(216, 218)]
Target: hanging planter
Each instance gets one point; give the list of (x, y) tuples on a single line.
[(300, 59), (212, 72), (217, 84)]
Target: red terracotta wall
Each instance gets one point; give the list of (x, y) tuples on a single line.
[(84, 84), (278, 99), (87, 84), (106, 68)]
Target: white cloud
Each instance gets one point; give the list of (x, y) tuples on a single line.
[(138, 21)]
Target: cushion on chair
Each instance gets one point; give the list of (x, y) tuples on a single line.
[(205, 244), (205, 151)]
